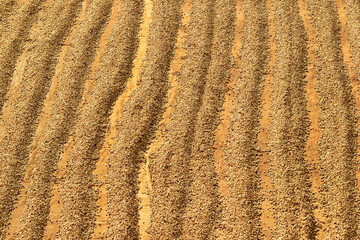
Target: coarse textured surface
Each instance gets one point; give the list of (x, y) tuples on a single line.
[(179, 119), (169, 193), (66, 102), (289, 129), (337, 147), (243, 199), (139, 120), (36, 80), (78, 193), (202, 213), (16, 36), (353, 13)]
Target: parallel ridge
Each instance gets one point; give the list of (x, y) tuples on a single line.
[(138, 123), (169, 165), (338, 120), (243, 201), (62, 118), (5, 8), (16, 35), (290, 177), (78, 213), (353, 14), (202, 215), (36, 80)]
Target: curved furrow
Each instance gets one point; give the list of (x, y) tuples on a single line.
[(353, 14), (138, 123), (290, 177), (78, 212), (12, 46), (243, 200), (202, 214), (62, 118), (36, 80), (169, 165), (337, 153)]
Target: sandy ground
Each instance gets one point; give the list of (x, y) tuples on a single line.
[(145, 178)]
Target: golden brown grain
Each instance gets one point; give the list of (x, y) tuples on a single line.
[(337, 153), (62, 118), (35, 83), (79, 197), (6, 6), (243, 200), (138, 123), (203, 213), (169, 166), (353, 14), (16, 37), (291, 196)]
